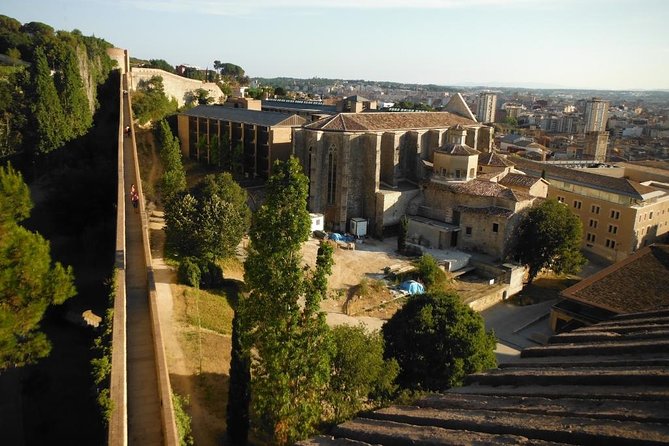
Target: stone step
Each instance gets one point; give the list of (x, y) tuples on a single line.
[(643, 411), (590, 361), (392, 433), (323, 440), (608, 336), (613, 348), (626, 393), (537, 427), (583, 376)]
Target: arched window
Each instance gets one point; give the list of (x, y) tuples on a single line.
[(332, 173)]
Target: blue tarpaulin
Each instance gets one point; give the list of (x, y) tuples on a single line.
[(337, 237), (412, 287)]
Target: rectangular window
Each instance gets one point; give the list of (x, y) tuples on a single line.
[(613, 229), (560, 199), (594, 209), (577, 204), (610, 243), (468, 230), (615, 214), (590, 237), (651, 215), (593, 223), (495, 227)]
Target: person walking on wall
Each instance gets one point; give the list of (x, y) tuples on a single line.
[(134, 197)]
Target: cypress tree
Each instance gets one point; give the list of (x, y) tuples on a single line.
[(291, 342), (47, 114), (73, 99), (239, 390)]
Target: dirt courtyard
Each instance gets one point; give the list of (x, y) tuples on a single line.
[(368, 259)]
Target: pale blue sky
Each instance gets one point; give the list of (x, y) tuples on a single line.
[(607, 44)]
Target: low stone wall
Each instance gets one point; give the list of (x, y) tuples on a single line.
[(118, 422)]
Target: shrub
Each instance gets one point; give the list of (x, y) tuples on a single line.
[(189, 272)]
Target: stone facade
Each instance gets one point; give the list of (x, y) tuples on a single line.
[(368, 165)]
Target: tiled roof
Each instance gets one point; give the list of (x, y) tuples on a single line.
[(379, 121), (458, 150), (490, 210), (652, 164), (262, 118), (620, 186), (607, 384), (618, 288), (517, 179), (494, 159), (482, 189)]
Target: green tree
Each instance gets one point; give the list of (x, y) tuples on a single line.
[(76, 109), (402, 236), (48, 124), (512, 121), (549, 237), (291, 343), (161, 65), (149, 102), (29, 281), (174, 177), (359, 372), (210, 223), (437, 340), (239, 389), (430, 272)]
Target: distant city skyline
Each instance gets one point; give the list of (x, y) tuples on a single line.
[(581, 44)]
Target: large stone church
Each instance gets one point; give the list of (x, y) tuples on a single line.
[(370, 165)]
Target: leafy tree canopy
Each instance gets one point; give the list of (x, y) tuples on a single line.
[(359, 371), (210, 223), (29, 281), (149, 102), (161, 65), (290, 341), (437, 340), (549, 237)]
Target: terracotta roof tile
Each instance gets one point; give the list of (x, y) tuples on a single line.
[(494, 159), (458, 150), (602, 384), (618, 288), (481, 189), (379, 121), (517, 179)]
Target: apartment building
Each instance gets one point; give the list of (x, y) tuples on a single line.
[(596, 115), (618, 215), (487, 105)]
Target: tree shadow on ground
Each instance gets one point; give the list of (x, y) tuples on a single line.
[(208, 397)]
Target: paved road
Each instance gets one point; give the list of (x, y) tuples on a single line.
[(517, 327)]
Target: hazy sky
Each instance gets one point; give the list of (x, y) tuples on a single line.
[(607, 44)]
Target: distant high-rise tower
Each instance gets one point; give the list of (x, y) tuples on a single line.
[(596, 114), (486, 109)]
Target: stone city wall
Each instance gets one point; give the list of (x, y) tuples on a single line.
[(175, 86)]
